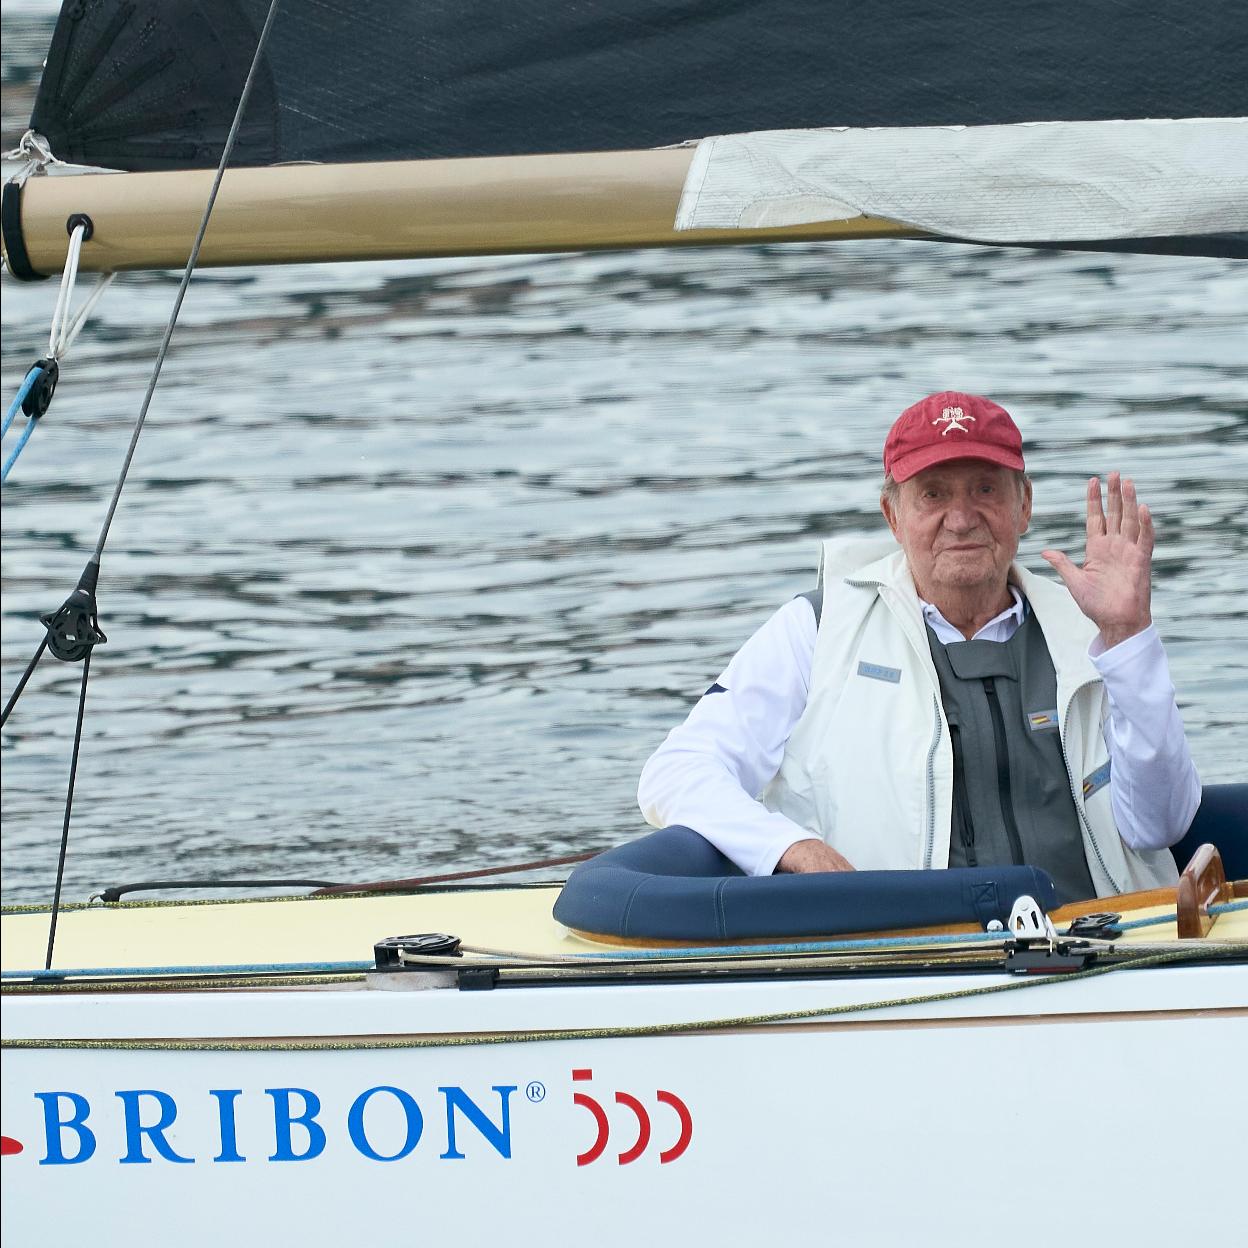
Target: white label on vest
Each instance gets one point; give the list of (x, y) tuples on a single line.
[(1039, 720), (873, 670)]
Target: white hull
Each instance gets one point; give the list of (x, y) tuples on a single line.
[(1035, 1110)]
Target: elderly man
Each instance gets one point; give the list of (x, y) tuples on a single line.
[(940, 705)]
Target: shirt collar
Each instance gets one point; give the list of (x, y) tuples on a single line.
[(1007, 622)]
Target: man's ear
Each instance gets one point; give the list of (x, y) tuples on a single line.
[(1026, 519), (890, 513)]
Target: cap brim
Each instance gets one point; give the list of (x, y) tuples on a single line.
[(905, 466)]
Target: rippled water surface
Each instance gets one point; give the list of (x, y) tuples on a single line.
[(418, 561)]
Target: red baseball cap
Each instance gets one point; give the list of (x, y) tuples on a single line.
[(951, 425)]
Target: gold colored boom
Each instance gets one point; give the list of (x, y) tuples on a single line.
[(297, 214)]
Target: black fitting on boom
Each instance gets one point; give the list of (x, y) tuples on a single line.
[(39, 397), (74, 630)]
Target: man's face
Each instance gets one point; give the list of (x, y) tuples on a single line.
[(959, 524)]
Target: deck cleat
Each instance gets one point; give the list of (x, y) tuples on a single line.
[(1036, 945), (401, 953), (1095, 926)]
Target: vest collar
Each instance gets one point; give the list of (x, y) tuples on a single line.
[(1067, 631)]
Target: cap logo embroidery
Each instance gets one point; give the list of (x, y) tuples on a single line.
[(953, 416)]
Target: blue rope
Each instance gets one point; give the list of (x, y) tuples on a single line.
[(254, 968), (1227, 907), (11, 415), (631, 955), (20, 399), (17, 450)]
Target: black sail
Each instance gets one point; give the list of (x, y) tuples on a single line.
[(152, 84)]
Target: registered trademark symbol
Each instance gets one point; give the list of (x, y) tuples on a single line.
[(536, 1091)]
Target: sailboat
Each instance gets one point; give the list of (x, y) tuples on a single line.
[(484, 1061)]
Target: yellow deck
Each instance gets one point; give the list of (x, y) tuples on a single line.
[(343, 929)]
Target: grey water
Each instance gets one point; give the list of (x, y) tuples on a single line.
[(419, 560)]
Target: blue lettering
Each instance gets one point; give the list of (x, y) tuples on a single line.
[(498, 1137), (225, 1114), (355, 1123), (54, 1127), (135, 1130), (284, 1119)]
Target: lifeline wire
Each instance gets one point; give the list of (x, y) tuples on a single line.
[(138, 426)]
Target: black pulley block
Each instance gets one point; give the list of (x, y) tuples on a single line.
[(73, 628), (39, 396)]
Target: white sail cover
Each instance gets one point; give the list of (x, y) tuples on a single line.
[(1036, 182)]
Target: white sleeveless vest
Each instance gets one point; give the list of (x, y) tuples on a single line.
[(869, 767)]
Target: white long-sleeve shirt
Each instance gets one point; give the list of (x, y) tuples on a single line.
[(707, 772)]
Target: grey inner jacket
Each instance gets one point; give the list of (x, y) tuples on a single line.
[(1011, 798)]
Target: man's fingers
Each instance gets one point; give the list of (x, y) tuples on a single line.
[(1060, 564), (1096, 517), (1113, 504), (1130, 511), (1148, 535)]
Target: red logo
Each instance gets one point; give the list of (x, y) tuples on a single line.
[(9, 1146), (642, 1142)]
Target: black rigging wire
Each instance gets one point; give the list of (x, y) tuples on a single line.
[(21, 684), (69, 806), (83, 642)]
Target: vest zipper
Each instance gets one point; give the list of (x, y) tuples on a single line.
[(1004, 793), (931, 789), (1077, 795)]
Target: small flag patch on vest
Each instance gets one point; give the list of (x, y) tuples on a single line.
[(875, 672), (1042, 719), (1095, 781)]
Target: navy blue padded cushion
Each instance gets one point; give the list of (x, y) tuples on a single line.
[(674, 885), (1222, 820)]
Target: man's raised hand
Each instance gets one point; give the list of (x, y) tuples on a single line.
[(1114, 586)]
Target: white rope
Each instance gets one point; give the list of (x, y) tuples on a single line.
[(36, 152), (74, 328), (69, 276)]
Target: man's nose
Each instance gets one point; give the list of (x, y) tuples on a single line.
[(961, 516)]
